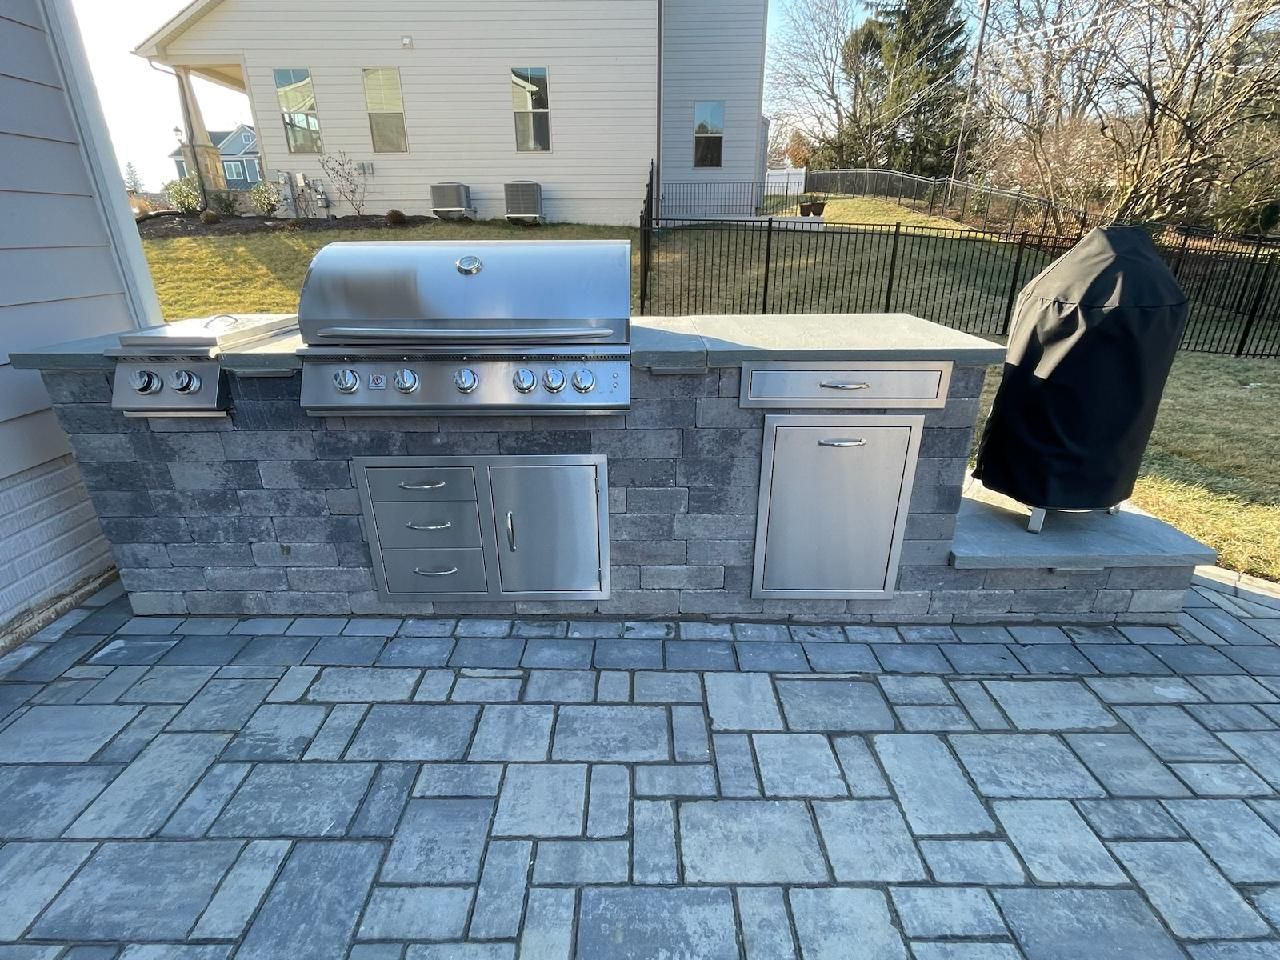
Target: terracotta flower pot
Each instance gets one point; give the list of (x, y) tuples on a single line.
[(818, 206), (806, 209)]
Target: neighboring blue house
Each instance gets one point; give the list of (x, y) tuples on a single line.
[(239, 151)]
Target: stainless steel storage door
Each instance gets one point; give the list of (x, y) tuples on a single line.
[(548, 527), (833, 504)]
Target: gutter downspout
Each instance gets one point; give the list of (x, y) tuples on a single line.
[(657, 160)]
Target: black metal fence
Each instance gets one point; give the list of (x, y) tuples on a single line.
[(967, 279)]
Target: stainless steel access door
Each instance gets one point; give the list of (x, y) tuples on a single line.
[(833, 504), (547, 519)]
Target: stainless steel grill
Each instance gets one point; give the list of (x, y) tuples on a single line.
[(458, 328), (173, 370)]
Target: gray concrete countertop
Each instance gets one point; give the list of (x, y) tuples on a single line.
[(658, 343)]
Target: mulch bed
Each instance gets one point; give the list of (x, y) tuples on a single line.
[(183, 226)]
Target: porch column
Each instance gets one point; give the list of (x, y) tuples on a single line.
[(199, 153)]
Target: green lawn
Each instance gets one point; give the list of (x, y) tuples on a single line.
[(1212, 467)]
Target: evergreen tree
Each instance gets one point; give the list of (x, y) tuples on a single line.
[(922, 47), (132, 182)]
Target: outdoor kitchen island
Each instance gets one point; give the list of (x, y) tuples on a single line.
[(768, 467)]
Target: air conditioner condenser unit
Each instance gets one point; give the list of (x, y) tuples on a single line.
[(452, 201), (524, 201)]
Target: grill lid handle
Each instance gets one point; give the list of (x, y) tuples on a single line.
[(501, 334)]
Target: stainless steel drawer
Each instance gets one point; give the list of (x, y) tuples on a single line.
[(433, 524), (422, 483), (866, 384), (435, 571)]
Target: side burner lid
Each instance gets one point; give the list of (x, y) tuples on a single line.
[(203, 333)]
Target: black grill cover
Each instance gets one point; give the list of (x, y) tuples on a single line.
[(1092, 341)]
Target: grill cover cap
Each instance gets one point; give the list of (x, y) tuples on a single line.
[(1090, 349)]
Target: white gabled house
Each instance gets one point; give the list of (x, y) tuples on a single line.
[(577, 95)]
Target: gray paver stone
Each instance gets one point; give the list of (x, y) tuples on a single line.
[(934, 793), (611, 734), (394, 731), (947, 912), (1116, 924), (416, 913), (542, 800), (742, 701), (845, 924), (1033, 765), (1055, 843), (439, 841), (295, 800), (834, 705), (749, 841), (797, 765), (868, 841), (657, 923)]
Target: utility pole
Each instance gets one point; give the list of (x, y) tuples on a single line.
[(968, 100)]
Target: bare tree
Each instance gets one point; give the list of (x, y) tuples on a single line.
[(808, 81), (348, 179), (1186, 85), (1141, 112)]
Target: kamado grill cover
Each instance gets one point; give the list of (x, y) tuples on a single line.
[(1092, 341)]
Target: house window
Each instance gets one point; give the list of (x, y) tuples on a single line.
[(708, 133), (298, 110), (531, 102), (251, 171), (385, 104), (233, 169), (246, 137), (182, 169)]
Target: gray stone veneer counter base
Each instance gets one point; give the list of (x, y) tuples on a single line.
[(256, 514)]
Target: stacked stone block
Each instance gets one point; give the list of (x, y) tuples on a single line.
[(258, 513)]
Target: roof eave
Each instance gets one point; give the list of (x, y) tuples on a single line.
[(152, 48)]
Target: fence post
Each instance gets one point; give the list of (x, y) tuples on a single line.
[(1256, 306), (646, 237), (1013, 285), (768, 249), (893, 264)]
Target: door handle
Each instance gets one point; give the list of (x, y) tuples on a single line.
[(435, 573), (429, 526), (511, 531), (850, 442), (429, 485), (844, 385)]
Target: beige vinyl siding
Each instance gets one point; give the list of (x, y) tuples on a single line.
[(601, 61), (713, 50), (60, 279)]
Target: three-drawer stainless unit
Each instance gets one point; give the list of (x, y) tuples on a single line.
[(487, 527)]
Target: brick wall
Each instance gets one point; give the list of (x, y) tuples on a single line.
[(257, 514)]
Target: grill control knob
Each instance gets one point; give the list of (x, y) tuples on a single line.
[(525, 379), (185, 381), (145, 381), (347, 381), (406, 381), (553, 380), (584, 380), (465, 380)]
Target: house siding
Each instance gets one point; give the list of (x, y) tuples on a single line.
[(713, 50), (602, 61), (59, 279)]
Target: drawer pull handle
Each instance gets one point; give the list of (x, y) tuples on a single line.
[(851, 442), (844, 385), (429, 485), (511, 531), (429, 526), (435, 573)]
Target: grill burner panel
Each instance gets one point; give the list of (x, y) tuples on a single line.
[(467, 328), (467, 384)]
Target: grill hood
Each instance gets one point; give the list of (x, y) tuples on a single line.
[(473, 293)]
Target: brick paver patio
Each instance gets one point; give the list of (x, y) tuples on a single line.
[(318, 788)]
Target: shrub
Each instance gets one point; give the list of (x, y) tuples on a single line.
[(264, 198), (183, 195), (347, 177), (396, 218), (210, 217), (222, 202)]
